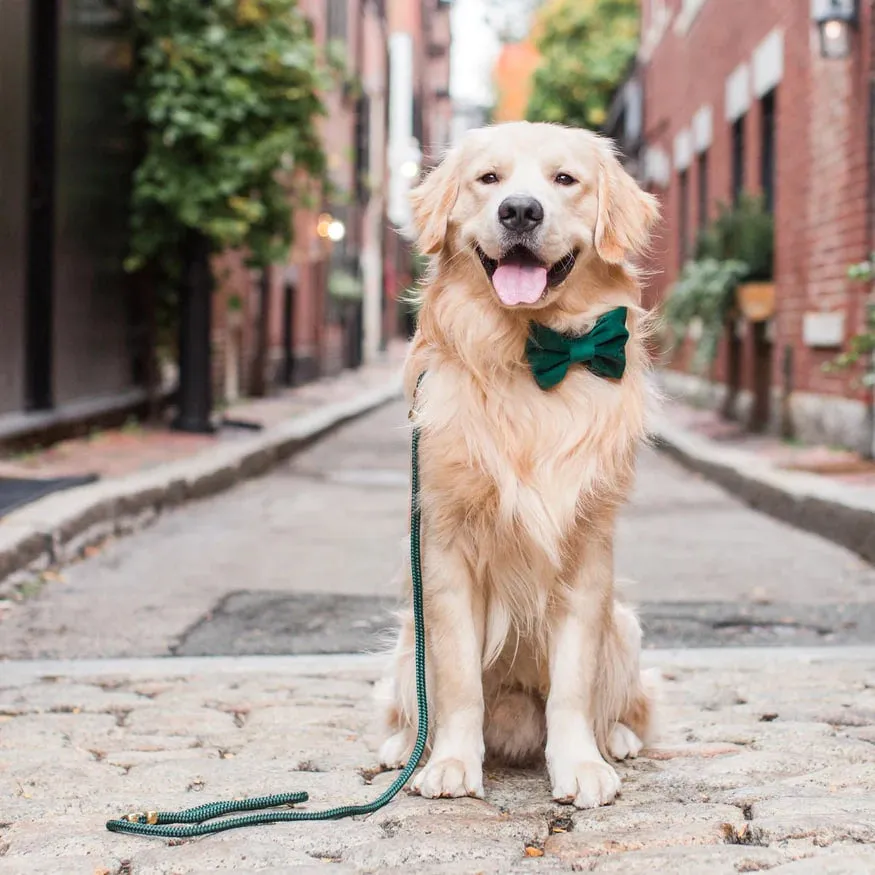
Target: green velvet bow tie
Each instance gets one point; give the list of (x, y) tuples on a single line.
[(602, 350)]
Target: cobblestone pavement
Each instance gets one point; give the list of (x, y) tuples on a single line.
[(213, 577), (767, 761)]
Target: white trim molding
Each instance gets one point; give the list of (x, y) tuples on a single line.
[(768, 63), (689, 10), (657, 167), (660, 19), (738, 94), (683, 151), (703, 129)]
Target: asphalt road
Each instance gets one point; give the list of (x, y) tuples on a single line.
[(304, 561)]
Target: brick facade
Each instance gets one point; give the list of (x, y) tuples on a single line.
[(301, 314), (726, 59)]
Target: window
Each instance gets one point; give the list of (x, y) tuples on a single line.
[(363, 156), (767, 150), (702, 173), (336, 20), (737, 159), (683, 217)]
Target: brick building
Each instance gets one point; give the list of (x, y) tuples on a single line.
[(420, 125), (732, 95), (322, 310), (335, 303)]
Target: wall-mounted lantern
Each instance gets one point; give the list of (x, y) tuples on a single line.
[(835, 19), (330, 228)]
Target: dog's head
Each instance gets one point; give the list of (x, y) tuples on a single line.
[(529, 203)]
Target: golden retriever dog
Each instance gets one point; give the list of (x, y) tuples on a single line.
[(528, 652)]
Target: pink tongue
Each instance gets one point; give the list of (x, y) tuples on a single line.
[(517, 284)]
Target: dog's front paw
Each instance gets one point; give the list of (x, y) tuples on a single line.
[(624, 743), (396, 750), (586, 784), (450, 777)]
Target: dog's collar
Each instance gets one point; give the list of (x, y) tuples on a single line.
[(602, 350)]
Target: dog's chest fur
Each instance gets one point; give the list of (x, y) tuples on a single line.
[(514, 470)]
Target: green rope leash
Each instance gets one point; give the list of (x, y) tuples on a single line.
[(157, 823)]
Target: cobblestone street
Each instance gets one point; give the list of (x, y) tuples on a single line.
[(766, 760)]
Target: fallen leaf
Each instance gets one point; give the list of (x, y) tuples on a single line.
[(533, 851)]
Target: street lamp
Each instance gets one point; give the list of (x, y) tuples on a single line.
[(834, 20)]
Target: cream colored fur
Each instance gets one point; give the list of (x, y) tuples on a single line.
[(528, 650)]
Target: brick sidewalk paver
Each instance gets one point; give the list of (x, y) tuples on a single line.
[(117, 452), (766, 762), (832, 463)]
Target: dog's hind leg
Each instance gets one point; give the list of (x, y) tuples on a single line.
[(396, 694), (626, 708)]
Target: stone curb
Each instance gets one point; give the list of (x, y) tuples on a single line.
[(17, 672), (55, 529), (835, 511)]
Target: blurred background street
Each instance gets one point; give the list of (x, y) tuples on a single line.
[(306, 559), (205, 260)]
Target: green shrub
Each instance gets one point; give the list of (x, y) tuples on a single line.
[(227, 97), (705, 291), (743, 232)]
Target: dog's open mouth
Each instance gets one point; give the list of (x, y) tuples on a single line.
[(519, 277)]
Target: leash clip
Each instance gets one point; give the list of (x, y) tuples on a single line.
[(150, 817)]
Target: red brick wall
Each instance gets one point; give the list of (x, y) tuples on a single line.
[(821, 203)]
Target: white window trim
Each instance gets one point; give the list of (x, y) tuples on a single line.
[(660, 19), (683, 151), (738, 92), (657, 167), (689, 10), (703, 129), (768, 63)]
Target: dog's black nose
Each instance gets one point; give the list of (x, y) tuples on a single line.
[(520, 213)]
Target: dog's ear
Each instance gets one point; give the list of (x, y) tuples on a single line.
[(433, 201), (626, 213)]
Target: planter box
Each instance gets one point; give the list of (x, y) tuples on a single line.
[(756, 301)]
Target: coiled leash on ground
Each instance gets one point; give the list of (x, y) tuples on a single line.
[(161, 823)]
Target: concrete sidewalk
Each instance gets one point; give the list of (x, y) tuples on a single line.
[(767, 761), (143, 472), (828, 492)]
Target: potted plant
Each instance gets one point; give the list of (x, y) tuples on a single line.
[(703, 297), (746, 232)]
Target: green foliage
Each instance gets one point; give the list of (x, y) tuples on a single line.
[(345, 285), (861, 347), (737, 247), (227, 96), (744, 232), (704, 291), (865, 270), (586, 47)]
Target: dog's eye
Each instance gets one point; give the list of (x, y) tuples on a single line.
[(564, 179), (488, 179)]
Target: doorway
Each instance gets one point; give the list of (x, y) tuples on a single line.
[(42, 123)]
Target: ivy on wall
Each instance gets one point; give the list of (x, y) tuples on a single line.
[(227, 97)]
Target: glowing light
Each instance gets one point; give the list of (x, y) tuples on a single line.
[(336, 231), (834, 29), (409, 169), (323, 225)]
